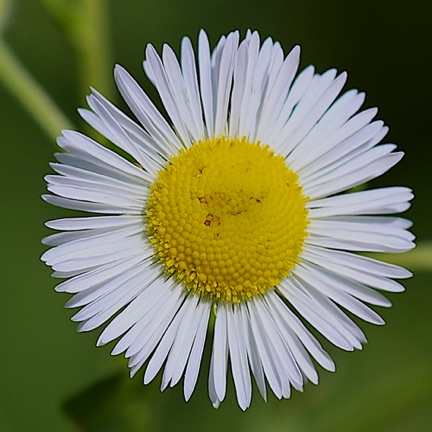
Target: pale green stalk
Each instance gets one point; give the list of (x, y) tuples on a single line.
[(86, 24), (28, 91), (91, 39)]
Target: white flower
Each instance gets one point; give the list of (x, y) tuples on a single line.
[(233, 210)]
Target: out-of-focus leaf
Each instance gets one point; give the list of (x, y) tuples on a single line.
[(114, 404)]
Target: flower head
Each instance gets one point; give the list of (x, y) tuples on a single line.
[(232, 207)]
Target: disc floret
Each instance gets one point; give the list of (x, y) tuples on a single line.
[(227, 217)]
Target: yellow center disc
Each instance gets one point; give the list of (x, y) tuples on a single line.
[(227, 218)]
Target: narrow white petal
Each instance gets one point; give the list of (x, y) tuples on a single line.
[(281, 350), (332, 325), (168, 82), (192, 89), (289, 337), (252, 352), (105, 122), (375, 201), (96, 283), (155, 312), (361, 263), (245, 120), (329, 284), (144, 304), (105, 242), (239, 87), (167, 341), (147, 150), (193, 365), (238, 356), (360, 239), (206, 90), (220, 352), (88, 223), (177, 357), (87, 206), (296, 132), (131, 282), (277, 93), (224, 83), (360, 169), (75, 142), (151, 334), (146, 113), (269, 362), (305, 337)]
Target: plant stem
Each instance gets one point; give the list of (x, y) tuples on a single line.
[(31, 95), (92, 42)]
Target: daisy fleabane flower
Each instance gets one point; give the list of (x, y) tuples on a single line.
[(234, 209)]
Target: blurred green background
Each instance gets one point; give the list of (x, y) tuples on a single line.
[(48, 371)]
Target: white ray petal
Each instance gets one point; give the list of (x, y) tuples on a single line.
[(220, 352), (86, 162), (104, 121), (89, 246), (103, 309), (75, 142), (239, 88), (330, 285), (224, 83), (331, 325), (179, 352), (89, 223), (305, 337), (73, 174), (192, 89), (166, 343), (289, 337), (361, 263), (354, 281), (238, 356), (295, 134), (205, 77), (154, 314), (259, 79), (375, 201), (281, 350), (360, 236), (92, 207), (184, 346), (130, 281), (193, 365), (168, 82), (277, 94), (149, 337), (147, 113), (245, 121), (329, 159), (358, 170), (148, 151), (252, 351), (144, 304), (270, 364)]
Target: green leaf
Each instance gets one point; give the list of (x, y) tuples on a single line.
[(114, 404)]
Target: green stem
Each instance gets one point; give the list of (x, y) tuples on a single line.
[(31, 95), (92, 42)]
